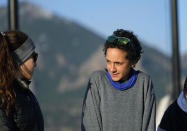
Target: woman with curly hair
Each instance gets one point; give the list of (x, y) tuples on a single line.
[(19, 109), (119, 98)]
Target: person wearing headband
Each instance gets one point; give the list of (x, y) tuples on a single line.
[(19, 109), (119, 98), (175, 116)]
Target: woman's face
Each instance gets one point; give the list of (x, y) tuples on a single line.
[(117, 64), (27, 68)]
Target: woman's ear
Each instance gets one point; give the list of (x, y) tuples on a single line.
[(133, 63)]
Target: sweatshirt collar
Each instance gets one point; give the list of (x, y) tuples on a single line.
[(125, 85)]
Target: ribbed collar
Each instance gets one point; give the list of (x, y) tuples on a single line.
[(124, 85), (182, 102), (24, 83)]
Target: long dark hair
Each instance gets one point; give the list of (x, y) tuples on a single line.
[(9, 41)]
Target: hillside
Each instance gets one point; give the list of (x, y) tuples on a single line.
[(68, 53)]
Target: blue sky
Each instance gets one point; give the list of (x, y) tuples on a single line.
[(148, 19)]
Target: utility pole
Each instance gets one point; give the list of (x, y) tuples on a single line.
[(13, 14), (175, 52)]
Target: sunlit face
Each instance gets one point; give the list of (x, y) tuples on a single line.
[(117, 64), (27, 68)]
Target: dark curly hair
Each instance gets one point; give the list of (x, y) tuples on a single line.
[(133, 48)]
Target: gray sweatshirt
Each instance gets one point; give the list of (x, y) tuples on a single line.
[(107, 109)]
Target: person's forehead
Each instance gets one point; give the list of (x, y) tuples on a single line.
[(116, 51), (114, 54)]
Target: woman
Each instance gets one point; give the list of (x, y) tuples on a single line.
[(19, 109), (119, 98), (175, 117)]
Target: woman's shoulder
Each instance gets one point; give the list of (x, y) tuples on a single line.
[(143, 75), (98, 74)]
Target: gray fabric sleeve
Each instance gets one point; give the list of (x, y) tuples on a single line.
[(160, 129), (6, 124), (149, 116), (91, 115)]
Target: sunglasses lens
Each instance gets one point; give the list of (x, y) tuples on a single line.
[(123, 40), (111, 38), (35, 56)]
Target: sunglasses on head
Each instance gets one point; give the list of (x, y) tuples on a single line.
[(121, 40)]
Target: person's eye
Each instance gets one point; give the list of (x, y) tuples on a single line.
[(107, 61), (119, 63)]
